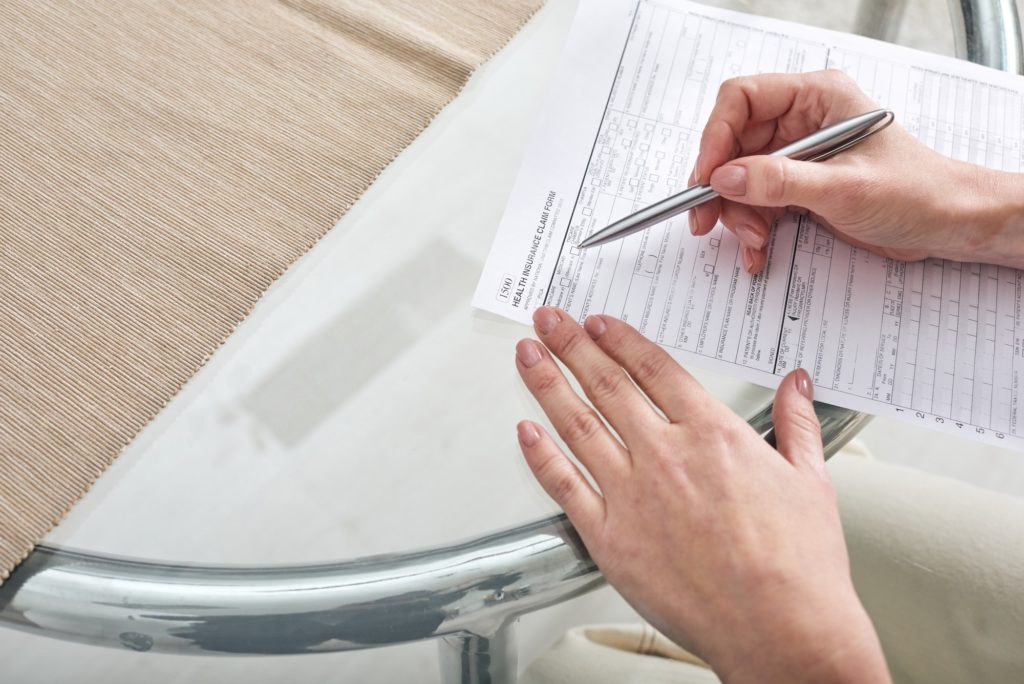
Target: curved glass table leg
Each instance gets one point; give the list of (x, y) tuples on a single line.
[(988, 32), (472, 659), (467, 594)]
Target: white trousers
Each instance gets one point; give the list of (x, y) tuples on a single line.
[(938, 564)]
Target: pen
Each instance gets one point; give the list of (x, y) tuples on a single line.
[(817, 146)]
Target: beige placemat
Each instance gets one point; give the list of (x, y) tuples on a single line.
[(160, 165)]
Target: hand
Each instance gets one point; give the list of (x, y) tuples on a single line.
[(890, 194), (729, 547)]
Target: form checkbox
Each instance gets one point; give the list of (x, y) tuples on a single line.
[(666, 132), (714, 242), (653, 178), (677, 159), (595, 182), (659, 154), (632, 182), (644, 147), (565, 282), (631, 123), (587, 211), (709, 269), (649, 127), (574, 251)]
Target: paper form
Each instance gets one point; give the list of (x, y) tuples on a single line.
[(933, 342)]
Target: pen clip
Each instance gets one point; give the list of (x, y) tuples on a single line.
[(828, 154)]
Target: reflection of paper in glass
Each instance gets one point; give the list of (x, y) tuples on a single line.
[(933, 342)]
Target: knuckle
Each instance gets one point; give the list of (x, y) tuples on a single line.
[(562, 487), (841, 84), (722, 438), (570, 342), (649, 367), (606, 382), (718, 433), (723, 139), (736, 84), (673, 468), (559, 483), (545, 383), (777, 180), (837, 77), (728, 86), (767, 576), (806, 423), (581, 425), (823, 480)]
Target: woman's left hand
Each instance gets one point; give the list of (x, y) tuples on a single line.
[(731, 548)]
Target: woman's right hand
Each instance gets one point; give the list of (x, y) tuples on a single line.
[(890, 194)]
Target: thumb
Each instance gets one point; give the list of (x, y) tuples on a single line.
[(797, 431), (768, 181)]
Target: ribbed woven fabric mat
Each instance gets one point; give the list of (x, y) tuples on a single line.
[(160, 165)]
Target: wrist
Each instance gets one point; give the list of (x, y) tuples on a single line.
[(830, 643), (851, 654), (986, 216)]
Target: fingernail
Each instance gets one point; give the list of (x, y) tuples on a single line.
[(803, 384), (692, 215), (730, 180), (696, 168), (749, 236), (594, 326), (528, 353), (748, 259), (545, 319), (528, 433)]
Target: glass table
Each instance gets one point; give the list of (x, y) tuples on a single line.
[(364, 411)]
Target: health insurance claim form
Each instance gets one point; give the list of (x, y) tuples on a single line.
[(935, 342)]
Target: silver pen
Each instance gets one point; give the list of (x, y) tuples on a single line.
[(815, 147)]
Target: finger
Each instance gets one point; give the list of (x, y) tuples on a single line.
[(778, 182), (719, 142), (560, 478), (797, 431), (740, 102), (703, 217), (747, 223), (602, 379), (577, 424), (753, 259), (771, 110), (674, 391), (720, 138), (756, 136)]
